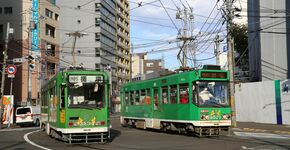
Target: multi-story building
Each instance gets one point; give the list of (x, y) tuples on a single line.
[(269, 39), (30, 22), (138, 64), (143, 68), (123, 41), (99, 32), (150, 65)]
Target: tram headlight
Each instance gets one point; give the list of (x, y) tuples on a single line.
[(204, 117), (226, 116)]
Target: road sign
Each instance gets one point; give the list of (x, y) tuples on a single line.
[(11, 76), (11, 69), (18, 60)]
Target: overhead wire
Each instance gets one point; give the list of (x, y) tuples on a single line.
[(168, 15)]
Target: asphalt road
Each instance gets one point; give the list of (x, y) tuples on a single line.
[(135, 139)]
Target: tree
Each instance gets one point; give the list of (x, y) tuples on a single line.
[(240, 35)]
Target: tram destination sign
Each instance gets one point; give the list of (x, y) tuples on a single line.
[(85, 79), (213, 74)]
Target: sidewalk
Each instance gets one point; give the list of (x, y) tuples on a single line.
[(262, 128)]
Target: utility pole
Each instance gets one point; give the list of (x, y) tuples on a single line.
[(3, 70), (217, 49), (185, 35), (75, 36), (230, 44)]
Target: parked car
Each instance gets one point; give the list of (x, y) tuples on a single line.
[(28, 115)]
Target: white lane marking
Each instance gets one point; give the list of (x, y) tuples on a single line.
[(32, 143), (262, 135), (18, 129)]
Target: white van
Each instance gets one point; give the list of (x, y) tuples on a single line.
[(28, 115)]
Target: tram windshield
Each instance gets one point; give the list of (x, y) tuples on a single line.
[(213, 94), (86, 95)]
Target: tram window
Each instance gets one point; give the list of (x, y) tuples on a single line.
[(155, 95), (84, 95), (126, 98), (183, 93), (164, 95), (194, 95), (62, 97), (132, 98), (137, 97), (173, 94), (147, 97), (143, 97)]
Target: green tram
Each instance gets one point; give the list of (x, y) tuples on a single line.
[(74, 106), (195, 101)]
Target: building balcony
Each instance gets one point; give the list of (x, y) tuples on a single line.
[(123, 65), (122, 24), (123, 55), (123, 35), (122, 75)]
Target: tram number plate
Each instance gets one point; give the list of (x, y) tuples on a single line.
[(86, 129)]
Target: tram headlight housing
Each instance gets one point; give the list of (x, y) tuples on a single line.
[(204, 117), (226, 116)]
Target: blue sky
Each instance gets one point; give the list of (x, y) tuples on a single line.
[(152, 29)]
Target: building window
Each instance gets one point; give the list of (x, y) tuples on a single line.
[(98, 20), (150, 64), (50, 69), (149, 71), (98, 66), (7, 10), (49, 30), (97, 36), (50, 49), (48, 13), (98, 52), (98, 6), (56, 17), (160, 64), (79, 21)]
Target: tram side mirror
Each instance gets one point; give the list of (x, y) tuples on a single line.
[(77, 85), (96, 88)]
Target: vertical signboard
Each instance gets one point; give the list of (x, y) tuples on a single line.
[(34, 37), (8, 102)]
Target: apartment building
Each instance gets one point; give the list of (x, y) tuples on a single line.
[(123, 41), (30, 21), (103, 42)]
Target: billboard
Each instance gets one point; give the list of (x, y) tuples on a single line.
[(8, 102), (34, 34)]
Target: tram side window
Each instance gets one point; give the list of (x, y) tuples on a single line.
[(147, 97), (173, 94), (62, 97), (164, 95), (132, 98), (126, 98), (194, 95), (155, 95), (143, 97), (137, 97), (183, 93)]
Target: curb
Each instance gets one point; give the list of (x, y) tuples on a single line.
[(261, 131)]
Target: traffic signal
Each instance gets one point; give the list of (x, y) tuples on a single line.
[(31, 62)]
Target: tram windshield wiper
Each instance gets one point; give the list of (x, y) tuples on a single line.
[(83, 106), (211, 103)]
